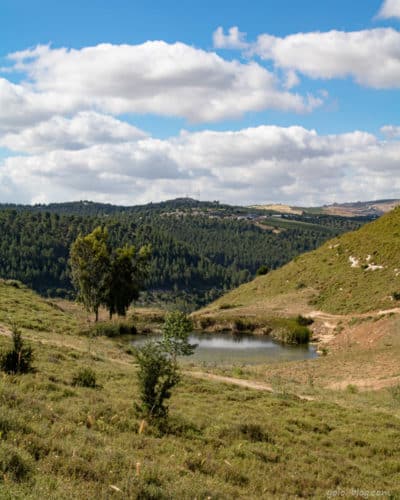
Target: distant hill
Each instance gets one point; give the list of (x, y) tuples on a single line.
[(201, 249), (356, 272), (351, 209)]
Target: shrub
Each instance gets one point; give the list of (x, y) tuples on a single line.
[(206, 322), (289, 331), (249, 432), (19, 358), (396, 295), (86, 377), (14, 283), (158, 367), (111, 329), (304, 321), (298, 335), (262, 270), (240, 325), (157, 375)]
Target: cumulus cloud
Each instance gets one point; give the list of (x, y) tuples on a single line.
[(390, 8), (235, 39), (391, 131), (85, 129), (154, 77), (265, 163), (371, 57)]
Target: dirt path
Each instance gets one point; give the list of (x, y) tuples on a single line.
[(249, 384), (365, 384), (333, 319)]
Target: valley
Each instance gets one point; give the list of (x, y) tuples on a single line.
[(236, 429)]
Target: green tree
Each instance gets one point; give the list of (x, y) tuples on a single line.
[(90, 269), (157, 375), (176, 331), (158, 368), (126, 277)]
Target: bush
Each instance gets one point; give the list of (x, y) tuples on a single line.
[(396, 295), (19, 358), (111, 329), (262, 270), (206, 322), (289, 331), (157, 375), (298, 335), (86, 377), (303, 321), (158, 366), (240, 326)]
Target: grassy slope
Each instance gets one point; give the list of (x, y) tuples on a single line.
[(325, 276), (19, 304), (60, 441)]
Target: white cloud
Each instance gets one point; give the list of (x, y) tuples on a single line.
[(85, 129), (391, 131), (235, 39), (390, 8), (21, 107), (291, 79), (371, 57), (266, 163), (154, 77)]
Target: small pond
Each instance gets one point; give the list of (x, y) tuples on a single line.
[(243, 349)]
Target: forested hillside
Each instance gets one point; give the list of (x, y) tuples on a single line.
[(200, 250)]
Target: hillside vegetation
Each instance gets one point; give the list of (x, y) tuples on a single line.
[(356, 272), (61, 441), (200, 249)]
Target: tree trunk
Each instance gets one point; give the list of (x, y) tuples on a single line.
[(96, 311)]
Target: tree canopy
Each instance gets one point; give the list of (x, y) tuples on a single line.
[(90, 269), (106, 277)]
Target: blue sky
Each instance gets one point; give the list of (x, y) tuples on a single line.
[(302, 106)]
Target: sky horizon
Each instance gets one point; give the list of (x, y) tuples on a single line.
[(261, 102)]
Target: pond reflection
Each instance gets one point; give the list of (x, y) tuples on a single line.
[(227, 348)]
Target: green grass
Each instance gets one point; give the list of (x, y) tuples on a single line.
[(19, 304), (327, 276), (60, 440), (222, 441)]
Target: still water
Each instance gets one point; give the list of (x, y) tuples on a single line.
[(244, 349)]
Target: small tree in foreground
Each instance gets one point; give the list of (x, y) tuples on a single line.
[(19, 358), (158, 367), (157, 375), (176, 330)]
